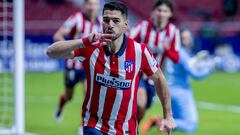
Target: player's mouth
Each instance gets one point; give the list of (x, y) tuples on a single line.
[(109, 32)]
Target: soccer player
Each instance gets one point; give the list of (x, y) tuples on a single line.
[(79, 24), (178, 75), (163, 40), (113, 63)]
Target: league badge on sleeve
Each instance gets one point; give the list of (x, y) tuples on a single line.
[(129, 66)]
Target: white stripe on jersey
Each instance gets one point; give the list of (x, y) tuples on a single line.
[(80, 58), (138, 62), (87, 29), (173, 30), (102, 94), (119, 95), (69, 63), (151, 41), (92, 63), (152, 63), (79, 22), (135, 31), (143, 31)]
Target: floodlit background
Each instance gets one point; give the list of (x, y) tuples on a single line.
[(216, 28)]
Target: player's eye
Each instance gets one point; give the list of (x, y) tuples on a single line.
[(106, 20), (116, 21)]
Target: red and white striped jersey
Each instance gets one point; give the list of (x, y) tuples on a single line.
[(79, 26), (110, 104), (145, 32)]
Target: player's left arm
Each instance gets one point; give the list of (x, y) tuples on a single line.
[(164, 96), (150, 67), (173, 47)]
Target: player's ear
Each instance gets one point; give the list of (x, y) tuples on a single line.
[(125, 27)]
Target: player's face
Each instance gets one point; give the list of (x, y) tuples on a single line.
[(186, 38), (114, 23), (91, 7), (161, 14)]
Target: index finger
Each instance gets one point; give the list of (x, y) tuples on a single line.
[(109, 36)]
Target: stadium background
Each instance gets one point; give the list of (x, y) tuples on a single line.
[(215, 24)]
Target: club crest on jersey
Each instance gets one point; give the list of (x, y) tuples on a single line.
[(129, 66)]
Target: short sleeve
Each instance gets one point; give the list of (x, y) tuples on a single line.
[(172, 52), (149, 64), (82, 53)]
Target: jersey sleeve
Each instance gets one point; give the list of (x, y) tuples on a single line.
[(82, 53), (149, 64), (135, 32), (172, 52)]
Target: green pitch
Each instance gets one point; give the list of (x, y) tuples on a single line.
[(43, 90)]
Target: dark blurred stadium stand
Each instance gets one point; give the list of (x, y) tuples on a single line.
[(205, 18), (213, 22), (43, 16)]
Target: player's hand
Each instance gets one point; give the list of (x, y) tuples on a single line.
[(100, 39), (168, 124)]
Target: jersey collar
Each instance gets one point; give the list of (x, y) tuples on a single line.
[(122, 49)]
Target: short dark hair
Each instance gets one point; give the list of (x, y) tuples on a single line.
[(168, 3), (116, 5)]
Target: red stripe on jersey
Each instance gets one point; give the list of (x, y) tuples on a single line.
[(110, 95), (149, 27), (172, 52), (73, 15), (167, 28), (156, 38), (91, 27), (126, 93), (145, 65), (74, 63), (73, 31), (133, 121), (87, 95), (83, 23), (99, 66), (85, 52)]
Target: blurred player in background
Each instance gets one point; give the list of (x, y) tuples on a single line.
[(113, 63), (78, 25), (178, 79), (163, 40)]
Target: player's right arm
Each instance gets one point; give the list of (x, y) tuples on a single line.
[(60, 34), (65, 49)]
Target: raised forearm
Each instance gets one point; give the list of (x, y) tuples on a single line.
[(64, 49), (58, 37), (163, 93)]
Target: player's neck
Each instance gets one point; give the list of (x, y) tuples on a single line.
[(92, 19), (161, 25), (115, 46)]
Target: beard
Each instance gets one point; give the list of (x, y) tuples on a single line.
[(115, 35)]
